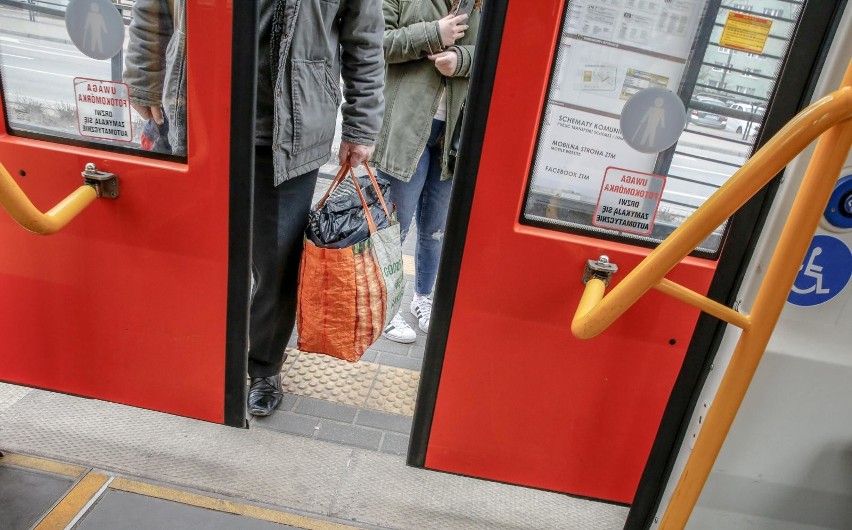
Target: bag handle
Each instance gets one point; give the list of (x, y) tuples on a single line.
[(371, 224), (378, 190), (341, 174)]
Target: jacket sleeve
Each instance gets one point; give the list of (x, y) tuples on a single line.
[(465, 56), (363, 71), (408, 43), (150, 30)]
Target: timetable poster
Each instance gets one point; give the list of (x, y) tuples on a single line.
[(608, 51)]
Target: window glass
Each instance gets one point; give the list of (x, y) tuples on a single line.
[(611, 49), (63, 65)]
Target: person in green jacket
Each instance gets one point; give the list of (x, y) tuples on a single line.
[(428, 55)]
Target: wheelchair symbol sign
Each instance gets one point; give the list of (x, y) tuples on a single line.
[(824, 273)]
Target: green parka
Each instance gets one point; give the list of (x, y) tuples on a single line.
[(413, 84)]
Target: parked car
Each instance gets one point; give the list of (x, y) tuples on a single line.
[(707, 118), (741, 125)]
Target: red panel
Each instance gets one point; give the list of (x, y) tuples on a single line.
[(520, 400), (127, 303)]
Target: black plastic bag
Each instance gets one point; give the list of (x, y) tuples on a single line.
[(340, 221)]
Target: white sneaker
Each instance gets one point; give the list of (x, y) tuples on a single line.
[(422, 309), (399, 331)]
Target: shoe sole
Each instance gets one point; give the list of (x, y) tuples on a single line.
[(401, 341)]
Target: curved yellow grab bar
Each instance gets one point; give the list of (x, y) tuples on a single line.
[(595, 315), (22, 210), (596, 311)]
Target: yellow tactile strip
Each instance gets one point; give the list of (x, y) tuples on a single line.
[(41, 464), (92, 484), (408, 265), (224, 505), (361, 384), (73, 503)]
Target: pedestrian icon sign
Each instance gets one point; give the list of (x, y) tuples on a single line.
[(824, 272), (652, 120), (95, 27)]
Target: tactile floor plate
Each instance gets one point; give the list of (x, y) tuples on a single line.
[(395, 391), (361, 384), (327, 378)]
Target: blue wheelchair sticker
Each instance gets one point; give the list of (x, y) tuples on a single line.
[(824, 273)]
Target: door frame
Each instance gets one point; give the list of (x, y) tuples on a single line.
[(244, 44), (797, 76)]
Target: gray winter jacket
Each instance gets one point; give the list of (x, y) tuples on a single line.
[(155, 66), (323, 41)]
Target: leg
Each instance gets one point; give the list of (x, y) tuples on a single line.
[(405, 196), (431, 221), (280, 218)]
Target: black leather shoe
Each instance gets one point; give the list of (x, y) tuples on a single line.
[(264, 395)]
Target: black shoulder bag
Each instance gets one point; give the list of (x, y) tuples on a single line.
[(455, 140)]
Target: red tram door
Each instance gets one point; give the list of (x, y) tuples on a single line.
[(139, 300), (547, 182)]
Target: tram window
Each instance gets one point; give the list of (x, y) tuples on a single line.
[(62, 65), (611, 49)]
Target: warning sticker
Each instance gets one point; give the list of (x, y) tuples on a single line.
[(745, 32), (103, 109), (628, 201)]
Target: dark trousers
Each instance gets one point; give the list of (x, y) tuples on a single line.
[(280, 218)]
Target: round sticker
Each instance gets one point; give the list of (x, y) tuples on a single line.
[(652, 120), (824, 273), (838, 211), (95, 27)]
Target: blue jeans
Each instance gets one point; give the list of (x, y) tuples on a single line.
[(427, 197)]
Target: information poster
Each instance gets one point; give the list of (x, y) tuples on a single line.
[(745, 32), (103, 109), (609, 50)]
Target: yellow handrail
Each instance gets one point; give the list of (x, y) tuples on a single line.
[(829, 118), (22, 210)]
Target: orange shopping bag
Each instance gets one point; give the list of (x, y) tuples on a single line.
[(347, 295)]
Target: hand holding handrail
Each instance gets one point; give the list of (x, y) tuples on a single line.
[(22, 210)]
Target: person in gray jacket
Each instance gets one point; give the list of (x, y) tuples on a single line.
[(306, 47)]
